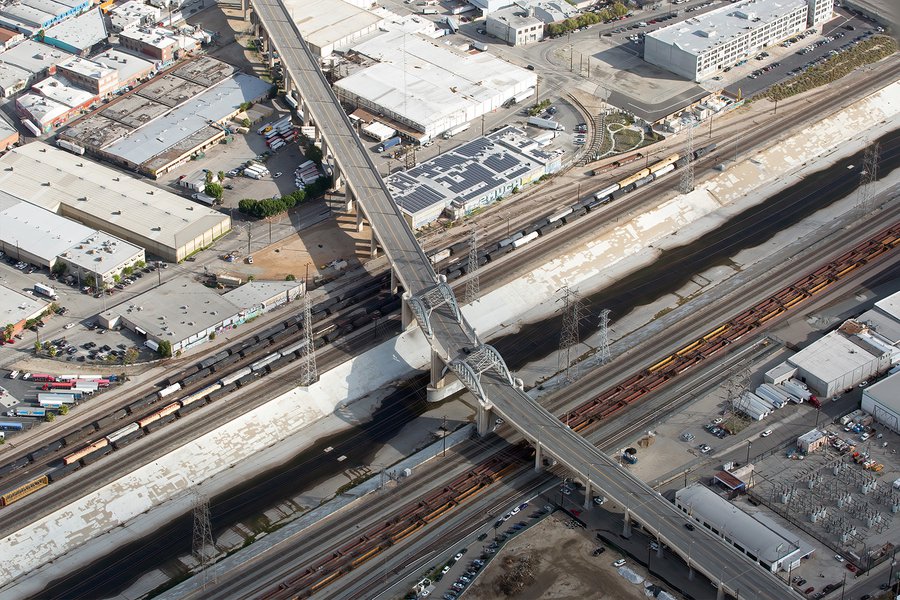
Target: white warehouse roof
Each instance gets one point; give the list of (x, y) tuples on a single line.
[(82, 189), (39, 232), (756, 537), (326, 22), (832, 356), (16, 307), (886, 392), (890, 306), (425, 83), (697, 34)]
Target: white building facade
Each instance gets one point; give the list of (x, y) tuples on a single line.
[(699, 47)]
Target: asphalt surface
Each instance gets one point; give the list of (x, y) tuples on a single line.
[(483, 371)]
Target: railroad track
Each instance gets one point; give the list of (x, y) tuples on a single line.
[(339, 560)]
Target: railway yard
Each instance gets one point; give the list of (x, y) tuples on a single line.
[(455, 519)]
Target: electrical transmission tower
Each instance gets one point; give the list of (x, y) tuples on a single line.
[(603, 355), (308, 373), (202, 537), (573, 312), (687, 175), (866, 192), (473, 287)]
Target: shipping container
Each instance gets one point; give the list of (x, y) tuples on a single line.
[(455, 130), (545, 123), (11, 426), (169, 390), (31, 411)]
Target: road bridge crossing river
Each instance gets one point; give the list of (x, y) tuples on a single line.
[(457, 349)]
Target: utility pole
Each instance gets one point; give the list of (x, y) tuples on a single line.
[(687, 175), (570, 337), (482, 124), (308, 372), (249, 236), (473, 287), (202, 537), (444, 436)]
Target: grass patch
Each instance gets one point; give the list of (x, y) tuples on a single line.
[(866, 52)]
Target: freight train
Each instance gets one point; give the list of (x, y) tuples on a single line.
[(372, 300), (563, 217)]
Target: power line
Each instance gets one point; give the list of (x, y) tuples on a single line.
[(308, 372), (202, 537), (573, 312), (866, 191), (603, 354), (473, 286), (687, 174)]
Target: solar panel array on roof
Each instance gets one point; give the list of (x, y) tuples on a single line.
[(474, 174)]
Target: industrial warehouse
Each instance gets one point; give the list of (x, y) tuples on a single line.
[(99, 197), (470, 176), (699, 47), (166, 122), (329, 25), (43, 238), (185, 313), (429, 87)]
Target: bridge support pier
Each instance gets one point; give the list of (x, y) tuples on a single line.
[(691, 572), (245, 9), (588, 499), (407, 317), (373, 246), (484, 416), (720, 591), (359, 222), (626, 526), (538, 459), (443, 384)]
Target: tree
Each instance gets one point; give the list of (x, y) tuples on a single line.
[(131, 355), (246, 122), (127, 271), (37, 348), (212, 336), (221, 175), (51, 350), (314, 153), (117, 278), (165, 349), (291, 277), (209, 177), (140, 264), (63, 410), (214, 190), (60, 267), (8, 331), (50, 417)]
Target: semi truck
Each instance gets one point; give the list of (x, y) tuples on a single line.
[(31, 411), (455, 130), (545, 123), (394, 141)]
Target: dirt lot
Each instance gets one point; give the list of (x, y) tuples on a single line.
[(564, 567), (332, 239)]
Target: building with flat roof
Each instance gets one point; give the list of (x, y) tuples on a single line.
[(185, 312), (13, 80), (78, 35), (170, 140), (882, 401), (31, 16), (838, 361), (35, 235), (471, 176), (9, 135), (36, 59), (132, 15), (169, 120), (155, 43), (699, 47), (515, 25), (101, 257), (762, 541), (42, 112), (131, 68), (428, 86), (329, 25), (90, 75), (811, 441), (16, 308), (164, 224), (9, 38)]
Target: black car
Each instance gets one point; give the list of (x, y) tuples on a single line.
[(689, 526)]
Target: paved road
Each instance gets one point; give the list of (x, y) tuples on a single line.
[(453, 337)]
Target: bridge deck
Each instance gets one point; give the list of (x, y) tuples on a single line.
[(709, 555)]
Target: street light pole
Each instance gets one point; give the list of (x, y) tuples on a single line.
[(749, 445)]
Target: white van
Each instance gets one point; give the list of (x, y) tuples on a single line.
[(13, 374)]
